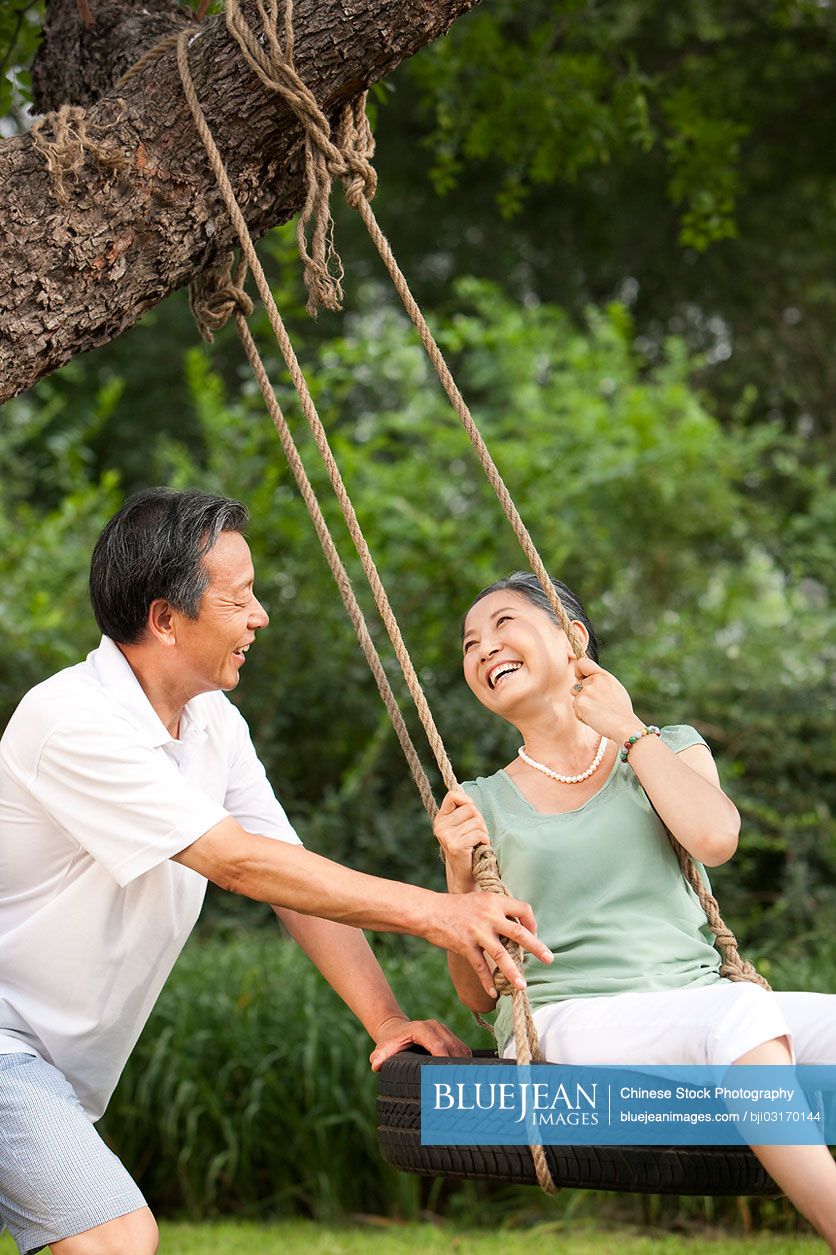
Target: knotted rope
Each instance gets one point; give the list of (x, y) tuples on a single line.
[(65, 143), (273, 63), (216, 294)]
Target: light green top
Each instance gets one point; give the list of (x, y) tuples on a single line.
[(608, 894)]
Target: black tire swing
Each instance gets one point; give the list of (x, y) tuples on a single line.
[(217, 295), (717, 1170)]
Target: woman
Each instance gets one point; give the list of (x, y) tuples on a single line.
[(578, 823)]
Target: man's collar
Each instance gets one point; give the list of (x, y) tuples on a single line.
[(118, 677)]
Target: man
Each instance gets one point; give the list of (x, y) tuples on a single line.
[(127, 782)]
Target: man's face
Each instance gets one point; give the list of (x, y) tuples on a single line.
[(211, 649)]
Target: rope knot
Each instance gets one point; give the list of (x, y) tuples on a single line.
[(64, 142), (217, 294), (487, 876), (360, 185), (355, 142), (270, 56)]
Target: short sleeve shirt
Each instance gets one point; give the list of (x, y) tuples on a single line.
[(95, 799), (608, 894)]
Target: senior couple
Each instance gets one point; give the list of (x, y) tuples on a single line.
[(129, 780)]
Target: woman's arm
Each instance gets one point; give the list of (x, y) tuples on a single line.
[(459, 828), (684, 788), (687, 796)]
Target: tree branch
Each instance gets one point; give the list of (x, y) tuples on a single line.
[(143, 222)]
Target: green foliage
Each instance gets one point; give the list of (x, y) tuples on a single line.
[(20, 23), (552, 92), (675, 155), (712, 602), (51, 510), (552, 69)]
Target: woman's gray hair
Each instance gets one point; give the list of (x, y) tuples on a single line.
[(154, 548), (528, 586)]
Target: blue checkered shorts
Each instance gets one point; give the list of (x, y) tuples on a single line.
[(57, 1177)]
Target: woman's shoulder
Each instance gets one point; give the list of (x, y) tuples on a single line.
[(483, 787), (681, 736), (488, 793)]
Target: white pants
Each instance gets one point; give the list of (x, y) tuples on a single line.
[(712, 1025)]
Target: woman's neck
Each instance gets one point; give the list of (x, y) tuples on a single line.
[(558, 738)]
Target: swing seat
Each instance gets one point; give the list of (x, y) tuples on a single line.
[(717, 1170)]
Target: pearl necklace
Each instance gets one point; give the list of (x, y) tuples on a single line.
[(555, 775)]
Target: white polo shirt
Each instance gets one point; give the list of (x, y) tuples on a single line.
[(95, 798)]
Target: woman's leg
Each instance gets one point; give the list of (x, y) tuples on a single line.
[(806, 1174), (718, 1025), (811, 1019), (711, 1024)]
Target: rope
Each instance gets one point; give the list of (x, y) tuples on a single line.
[(151, 55), (70, 145), (350, 159), (338, 570), (273, 65), (733, 967), (215, 295), (527, 1043), (315, 424)]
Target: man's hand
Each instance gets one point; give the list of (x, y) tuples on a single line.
[(395, 1034), (473, 925)]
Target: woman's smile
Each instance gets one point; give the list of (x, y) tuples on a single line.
[(498, 672)]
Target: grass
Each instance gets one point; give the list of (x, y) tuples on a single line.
[(388, 1238), (250, 1091)]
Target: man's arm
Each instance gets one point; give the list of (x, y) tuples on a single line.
[(345, 959), (471, 924)]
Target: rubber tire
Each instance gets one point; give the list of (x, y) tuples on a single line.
[(716, 1170)]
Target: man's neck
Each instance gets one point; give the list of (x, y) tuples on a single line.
[(165, 695)]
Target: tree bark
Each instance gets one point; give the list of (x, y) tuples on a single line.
[(145, 216)]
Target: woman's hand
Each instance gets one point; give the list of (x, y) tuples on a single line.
[(458, 828), (602, 702)]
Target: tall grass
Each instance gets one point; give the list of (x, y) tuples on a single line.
[(250, 1092), (250, 1089)]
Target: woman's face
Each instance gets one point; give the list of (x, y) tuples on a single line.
[(515, 654)]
